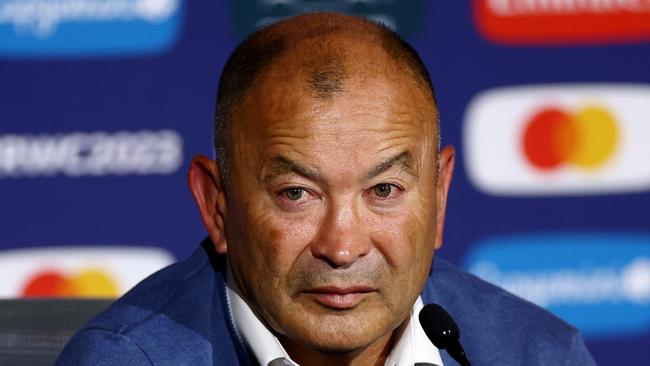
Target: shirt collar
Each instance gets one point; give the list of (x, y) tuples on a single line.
[(412, 347), (266, 347)]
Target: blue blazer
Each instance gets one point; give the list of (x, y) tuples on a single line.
[(179, 316)]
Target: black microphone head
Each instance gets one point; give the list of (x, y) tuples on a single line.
[(439, 326)]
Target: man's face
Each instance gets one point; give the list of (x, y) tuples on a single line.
[(332, 206)]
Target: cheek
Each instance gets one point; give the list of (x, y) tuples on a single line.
[(269, 242), (406, 239), (423, 233), (404, 236)]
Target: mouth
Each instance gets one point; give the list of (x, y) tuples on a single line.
[(340, 298)]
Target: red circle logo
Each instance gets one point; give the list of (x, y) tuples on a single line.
[(585, 139)]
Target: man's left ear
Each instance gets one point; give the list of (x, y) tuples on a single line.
[(205, 182), (447, 160)]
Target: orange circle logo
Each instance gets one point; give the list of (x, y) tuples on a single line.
[(87, 283), (585, 139)]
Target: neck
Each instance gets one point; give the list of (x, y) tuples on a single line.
[(374, 354)]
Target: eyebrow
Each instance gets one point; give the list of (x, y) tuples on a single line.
[(403, 159), (280, 164)]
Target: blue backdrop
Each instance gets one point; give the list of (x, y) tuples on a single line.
[(102, 107)]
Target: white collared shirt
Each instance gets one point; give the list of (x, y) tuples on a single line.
[(412, 347)]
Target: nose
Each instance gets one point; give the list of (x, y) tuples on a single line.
[(341, 240)]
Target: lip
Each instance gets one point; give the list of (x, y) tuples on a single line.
[(340, 298)]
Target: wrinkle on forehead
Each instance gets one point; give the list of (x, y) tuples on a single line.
[(333, 158), (371, 111), (318, 139)]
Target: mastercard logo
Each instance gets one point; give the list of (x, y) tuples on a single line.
[(89, 271), (573, 139), (91, 282), (585, 138)]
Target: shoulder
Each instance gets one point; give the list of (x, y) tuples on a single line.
[(102, 347), (498, 327), (181, 307)]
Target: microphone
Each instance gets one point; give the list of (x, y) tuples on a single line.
[(443, 331)]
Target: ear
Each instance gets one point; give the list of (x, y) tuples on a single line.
[(204, 178), (447, 159)]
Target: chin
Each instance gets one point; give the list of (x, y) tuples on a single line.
[(342, 344), (341, 334)]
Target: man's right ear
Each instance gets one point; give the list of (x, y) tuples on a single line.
[(204, 178)]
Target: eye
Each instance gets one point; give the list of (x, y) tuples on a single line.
[(382, 190), (294, 193), (295, 197), (385, 192)]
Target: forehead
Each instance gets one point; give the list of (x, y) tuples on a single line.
[(330, 71), (343, 88)]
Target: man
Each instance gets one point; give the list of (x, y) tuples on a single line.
[(323, 211)]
